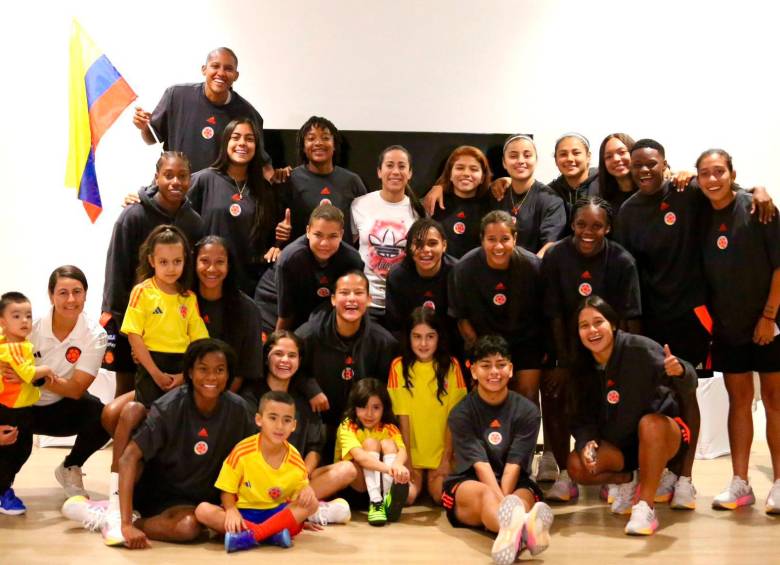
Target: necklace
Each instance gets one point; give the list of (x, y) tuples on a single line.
[(516, 207), (238, 197)]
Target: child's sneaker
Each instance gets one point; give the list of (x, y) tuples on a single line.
[(773, 500), (643, 521), (336, 511), (11, 504), (376, 514), (665, 488), (548, 468), (279, 539), (537, 528), (684, 494), (70, 479), (91, 514), (624, 497), (395, 500), (511, 519), (241, 541), (739, 493), (563, 490)]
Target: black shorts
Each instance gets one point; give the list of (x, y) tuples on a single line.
[(746, 357), (528, 355), (630, 451), (150, 500), (451, 486), (686, 336), (118, 356), (146, 390)]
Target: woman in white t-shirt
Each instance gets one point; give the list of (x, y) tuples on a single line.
[(381, 220), (73, 346)]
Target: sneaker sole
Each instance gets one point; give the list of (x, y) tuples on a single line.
[(507, 543), (398, 495), (573, 494), (773, 510), (649, 531), (70, 491), (662, 497), (746, 500), (537, 528), (8, 512), (113, 542), (682, 506)]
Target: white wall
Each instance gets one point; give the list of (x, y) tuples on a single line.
[(690, 74)]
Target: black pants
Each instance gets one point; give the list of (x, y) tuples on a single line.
[(13, 456)]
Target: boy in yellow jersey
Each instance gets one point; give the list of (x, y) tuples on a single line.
[(17, 394), (265, 487)]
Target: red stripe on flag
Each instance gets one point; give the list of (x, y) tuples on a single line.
[(106, 109)]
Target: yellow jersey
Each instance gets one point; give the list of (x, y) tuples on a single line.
[(20, 356), (350, 436)]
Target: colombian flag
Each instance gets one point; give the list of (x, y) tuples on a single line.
[(98, 94)]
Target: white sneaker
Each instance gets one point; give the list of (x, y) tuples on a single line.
[(643, 521), (684, 494), (511, 519), (738, 493), (773, 500), (70, 479), (548, 468), (91, 514), (111, 530), (665, 488), (612, 490), (624, 497), (562, 490), (537, 528), (336, 511)]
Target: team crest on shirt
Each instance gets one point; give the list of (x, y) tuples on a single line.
[(347, 374), (72, 354), (325, 201), (585, 289), (495, 438), (459, 228), (499, 299), (430, 304), (274, 492), (613, 397), (722, 242), (201, 448), (183, 311), (323, 292), (670, 218), (235, 210), (207, 132)]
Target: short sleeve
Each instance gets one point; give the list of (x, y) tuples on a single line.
[(399, 395), (134, 320), (196, 328), (229, 478), (347, 439), (20, 357), (161, 115), (92, 353), (467, 446), (457, 390), (553, 221), (152, 435), (395, 434), (525, 431)]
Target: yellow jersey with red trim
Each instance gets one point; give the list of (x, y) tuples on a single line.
[(255, 482), (19, 356), (166, 322), (350, 435), (427, 416)]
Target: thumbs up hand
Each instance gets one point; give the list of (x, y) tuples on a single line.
[(284, 228), (672, 365)]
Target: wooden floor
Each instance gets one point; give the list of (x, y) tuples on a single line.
[(586, 531)]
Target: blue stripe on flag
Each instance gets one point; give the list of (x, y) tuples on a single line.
[(99, 78), (88, 188)]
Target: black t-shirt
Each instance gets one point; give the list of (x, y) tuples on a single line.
[(539, 215), (309, 434), (740, 256), (185, 120), (590, 187), (569, 277), (484, 433), (406, 290), (184, 450), (504, 302), (661, 231), (307, 190), (460, 219), (298, 284)]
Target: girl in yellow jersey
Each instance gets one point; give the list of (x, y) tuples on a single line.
[(424, 385), (370, 438)]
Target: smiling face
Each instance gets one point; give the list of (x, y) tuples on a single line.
[(492, 373), (424, 341), (324, 238), (242, 145), (590, 228), (427, 254), (284, 359), (220, 72), (498, 242), (173, 181), (370, 415), (350, 298), (209, 375), (572, 158), (68, 299), (276, 421), (647, 169), (520, 159), (395, 172), (16, 321), (211, 265), (466, 176), (596, 333), (617, 158), (319, 146), (167, 261), (716, 180)]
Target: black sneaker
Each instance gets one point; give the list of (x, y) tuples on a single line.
[(395, 500)]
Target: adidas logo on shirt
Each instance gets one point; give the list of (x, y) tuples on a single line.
[(157, 311)]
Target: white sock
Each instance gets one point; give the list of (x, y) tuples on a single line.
[(373, 482), (113, 492), (387, 480)]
